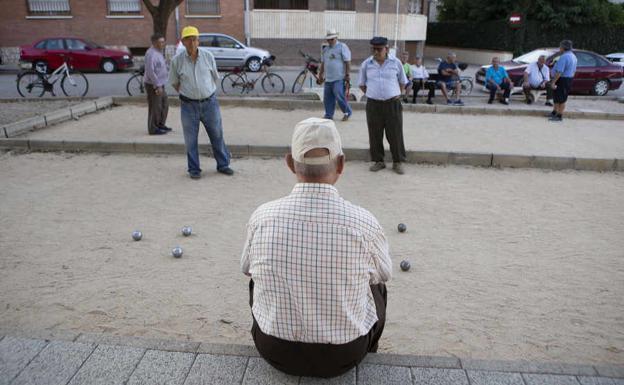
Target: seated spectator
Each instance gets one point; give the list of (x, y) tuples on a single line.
[(408, 72), (537, 77), (317, 265), (497, 80), (420, 77), (449, 79)]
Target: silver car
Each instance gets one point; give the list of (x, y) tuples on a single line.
[(229, 52)]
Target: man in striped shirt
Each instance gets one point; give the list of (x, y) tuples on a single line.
[(317, 265)]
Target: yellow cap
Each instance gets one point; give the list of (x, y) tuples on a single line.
[(189, 31)]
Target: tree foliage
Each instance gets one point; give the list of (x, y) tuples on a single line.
[(161, 13), (557, 13)]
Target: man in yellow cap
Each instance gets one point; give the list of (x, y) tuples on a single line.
[(194, 75)]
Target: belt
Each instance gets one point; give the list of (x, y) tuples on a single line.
[(387, 100), (185, 99)]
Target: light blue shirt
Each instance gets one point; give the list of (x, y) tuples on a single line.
[(496, 75), (566, 65), (382, 81), (334, 59), (197, 80)]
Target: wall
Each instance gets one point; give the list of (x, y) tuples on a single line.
[(466, 55)]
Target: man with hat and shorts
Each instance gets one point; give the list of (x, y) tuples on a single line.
[(334, 71), (194, 75), (317, 265), (561, 83), (383, 81)]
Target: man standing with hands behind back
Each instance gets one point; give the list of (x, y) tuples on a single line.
[(155, 79), (334, 71), (194, 75)]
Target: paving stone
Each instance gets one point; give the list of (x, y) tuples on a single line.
[(549, 379), (108, 365), (470, 159), (15, 354), (508, 160), (228, 349), (165, 368), (55, 364), (383, 374), (356, 154), (162, 148), (478, 377), (432, 376), (529, 367), (62, 335), (97, 146), (598, 381), (349, 378), (611, 370), (412, 360), (553, 162), (433, 157), (215, 369), (259, 372), (272, 151), (139, 342), (594, 164)]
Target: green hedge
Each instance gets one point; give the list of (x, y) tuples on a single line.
[(497, 35)]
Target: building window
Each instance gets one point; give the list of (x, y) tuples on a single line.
[(203, 7), (341, 5), (123, 7), (413, 6), (48, 7), (281, 4)]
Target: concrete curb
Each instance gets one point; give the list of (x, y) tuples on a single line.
[(290, 104), (359, 154), (404, 360), (54, 117)]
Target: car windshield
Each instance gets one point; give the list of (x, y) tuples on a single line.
[(532, 56)]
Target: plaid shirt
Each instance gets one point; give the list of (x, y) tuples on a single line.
[(312, 256)]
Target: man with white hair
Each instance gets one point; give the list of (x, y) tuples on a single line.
[(334, 71), (317, 264), (537, 77), (448, 72)]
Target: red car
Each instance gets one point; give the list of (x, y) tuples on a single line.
[(594, 73), (81, 54)]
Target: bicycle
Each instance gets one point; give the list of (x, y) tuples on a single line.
[(238, 82), (135, 85), (34, 83), (311, 66)]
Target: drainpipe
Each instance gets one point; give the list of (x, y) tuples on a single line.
[(247, 31), (177, 24), (376, 22), (396, 26)]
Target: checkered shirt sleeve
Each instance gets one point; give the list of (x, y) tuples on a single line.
[(313, 256)]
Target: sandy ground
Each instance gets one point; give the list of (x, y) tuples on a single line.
[(425, 132), (506, 264)]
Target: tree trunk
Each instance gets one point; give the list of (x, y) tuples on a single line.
[(160, 23), (160, 14)]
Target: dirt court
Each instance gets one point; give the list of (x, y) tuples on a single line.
[(506, 264)]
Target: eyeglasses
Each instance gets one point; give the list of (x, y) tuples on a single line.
[(377, 49)]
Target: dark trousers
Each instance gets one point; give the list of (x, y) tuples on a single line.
[(320, 360), (505, 86), (417, 84), (385, 115), (157, 108), (549, 91)]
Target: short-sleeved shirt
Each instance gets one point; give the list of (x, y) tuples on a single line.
[(566, 65), (382, 81), (495, 74), (334, 59), (155, 68), (196, 80), (407, 68), (537, 75), (443, 66), (420, 72)]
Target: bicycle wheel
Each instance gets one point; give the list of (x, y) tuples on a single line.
[(30, 84), (233, 84), (135, 85), (466, 85), (273, 84), (75, 84), (299, 81)]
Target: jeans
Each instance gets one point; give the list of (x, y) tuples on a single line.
[(505, 86), (209, 114), (334, 92)]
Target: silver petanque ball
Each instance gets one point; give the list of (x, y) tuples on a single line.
[(177, 252), (137, 235), (405, 265), (187, 230), (401, 227)]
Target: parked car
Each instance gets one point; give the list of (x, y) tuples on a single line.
[(229, 52), (617, 58), (594, 73), (82, 54)]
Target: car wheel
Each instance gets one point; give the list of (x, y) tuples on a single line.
[(254, 64), (108, 66), (40, 66), (601, 87)]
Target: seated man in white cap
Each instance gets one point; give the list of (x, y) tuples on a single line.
[(317, 265)]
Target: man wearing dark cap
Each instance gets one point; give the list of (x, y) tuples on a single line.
[(383, 81), (561, 83)]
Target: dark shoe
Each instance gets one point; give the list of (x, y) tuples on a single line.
[(551, 114), (398, 168), (548, 103), (195, 175), (226, 171), (458, 102), (165, 128), (377, 166), (504, 101), (529, 101), (555, 118), (449, 102), (404, 100), (490, 101), (429, 101), (346, 117), (159, 131)]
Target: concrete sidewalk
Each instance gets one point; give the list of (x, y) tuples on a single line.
[(77, 358)]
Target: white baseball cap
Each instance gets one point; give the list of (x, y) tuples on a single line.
[(315, 133)]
